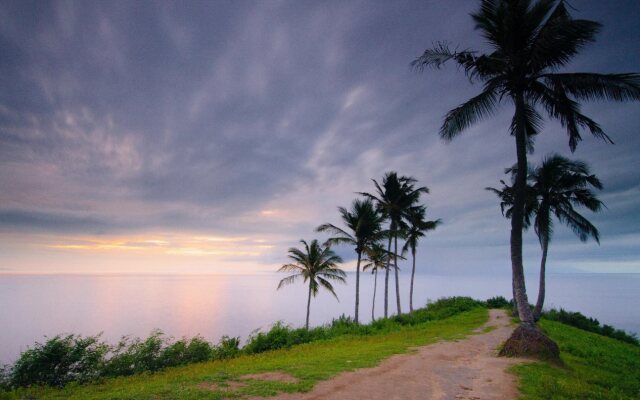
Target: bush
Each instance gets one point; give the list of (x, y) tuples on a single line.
[(58, 361), (578, 320), (186, 352), (440, 309), (281, 336), (228, 347), (132, 356), (499, 302)]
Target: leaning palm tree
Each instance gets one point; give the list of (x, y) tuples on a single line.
[(530, 41), (394, 198), (364, 225), (316, 264), (416, 230), (555, 188), (560, 185)]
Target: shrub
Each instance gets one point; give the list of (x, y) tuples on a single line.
[(59, 360), (185, 352), (499, 302), (440, 309), (450, 306), (277, 337), (578, 320), (228, 347)]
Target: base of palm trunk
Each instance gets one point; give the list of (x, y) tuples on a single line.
[(527, 341)]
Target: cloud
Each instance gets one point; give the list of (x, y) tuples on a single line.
[(259, 119)]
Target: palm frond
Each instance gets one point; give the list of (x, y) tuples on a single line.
[(589, 86), (532, 125), (578, 224), (567, 111), (327, 285), (559, 39), (468, 113), (288, 280)]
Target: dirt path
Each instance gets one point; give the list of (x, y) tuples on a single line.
[(466, 369)]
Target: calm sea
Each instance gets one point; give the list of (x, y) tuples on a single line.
[(35, 306)]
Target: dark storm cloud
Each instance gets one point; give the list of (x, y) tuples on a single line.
[(198, 115)]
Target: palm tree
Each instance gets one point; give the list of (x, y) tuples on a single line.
[(561, 184), (530, 41), (556, 187), (394, 198), (364, 222), (417, 228), (377, 258), (316, 264)]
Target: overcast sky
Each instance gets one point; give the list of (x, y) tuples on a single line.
[(211, 136)]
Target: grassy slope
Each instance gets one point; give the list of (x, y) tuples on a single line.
[(596, 367), (309, 362)]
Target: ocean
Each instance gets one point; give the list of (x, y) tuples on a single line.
[(33, 307)]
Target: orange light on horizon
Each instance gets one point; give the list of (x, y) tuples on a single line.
[(167, 244)]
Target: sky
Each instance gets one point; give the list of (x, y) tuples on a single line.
[(209, 137)]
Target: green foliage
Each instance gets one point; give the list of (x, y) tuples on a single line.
[(499, 302), (441, 309), (578, 320), (72, 358), (59, 360), (228, 347), (282, 336), (596, 367)]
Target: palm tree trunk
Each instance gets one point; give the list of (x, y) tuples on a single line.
[(375, 284), (413, 273), (358, 285), (386, 281), (514, 310), (517, 218), (395, 264), (306, 325), (541, 292)]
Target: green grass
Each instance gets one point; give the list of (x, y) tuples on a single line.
[(309, 363), (596, 367)]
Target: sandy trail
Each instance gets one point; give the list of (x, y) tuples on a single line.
[(465, 369)]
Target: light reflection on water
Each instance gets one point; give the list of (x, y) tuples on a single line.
[(34, 306)]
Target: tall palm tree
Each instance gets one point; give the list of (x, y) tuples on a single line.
[(394, 198), (416, 230), (529, 42), (377, 258), (364, 223), (555, 188), (316, 264)]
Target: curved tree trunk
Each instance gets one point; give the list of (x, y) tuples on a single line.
[(375, 284), (541, 292), (395, 264), (517, 269), (386, 280), (413, 273), (358, 285), (306, 325)]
